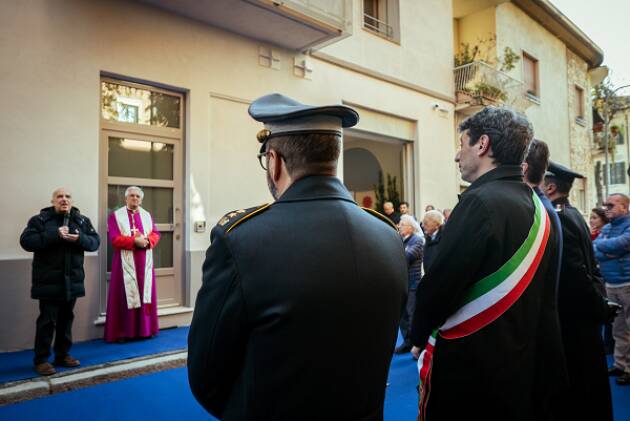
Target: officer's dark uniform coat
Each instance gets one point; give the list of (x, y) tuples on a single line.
[(583, 310), (298, 312), (510, 369)]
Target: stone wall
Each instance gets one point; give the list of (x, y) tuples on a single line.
[(580, 134)]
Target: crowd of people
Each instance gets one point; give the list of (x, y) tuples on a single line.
[(501, 300)]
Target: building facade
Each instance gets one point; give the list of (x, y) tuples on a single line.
[(531, 57), (99, 95), (618, 151)]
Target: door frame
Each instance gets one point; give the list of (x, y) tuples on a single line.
[(169, 135)]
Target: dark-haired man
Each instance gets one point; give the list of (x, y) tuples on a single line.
[(404, 209), (485, 303), (581, 307), (282, 284)]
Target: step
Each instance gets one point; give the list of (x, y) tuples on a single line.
[(37, 387)]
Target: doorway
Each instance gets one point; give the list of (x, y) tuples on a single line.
[(141, 144)]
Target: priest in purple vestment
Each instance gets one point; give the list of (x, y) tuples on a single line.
[(132, 298)]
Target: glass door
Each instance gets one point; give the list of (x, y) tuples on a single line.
[(141, 145)]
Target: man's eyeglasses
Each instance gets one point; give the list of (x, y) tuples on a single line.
[(608, 205), (263, 162)]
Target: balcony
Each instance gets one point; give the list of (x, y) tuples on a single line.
[(293, 24), (478, 84)]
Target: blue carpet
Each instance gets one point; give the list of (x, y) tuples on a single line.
[(19, 365), (159, 396), (166, 396)]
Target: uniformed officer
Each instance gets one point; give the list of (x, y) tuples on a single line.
[(298, 312), (582, 308)]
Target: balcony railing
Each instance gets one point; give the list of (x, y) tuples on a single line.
[(378, 26), (479, 83)]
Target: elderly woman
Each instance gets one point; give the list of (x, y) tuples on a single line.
[(414, 243), (432, 225), (132, 299)]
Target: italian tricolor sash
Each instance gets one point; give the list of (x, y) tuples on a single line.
[(128, 266), (492, 296)]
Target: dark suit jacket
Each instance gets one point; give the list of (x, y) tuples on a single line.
[(298, 312), (583, 310), (431, 248), (508, 369)]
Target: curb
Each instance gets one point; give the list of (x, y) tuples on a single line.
[(37, 387)]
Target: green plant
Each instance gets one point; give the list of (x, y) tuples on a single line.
[(482, 52), (386, 194), (509, 60), (488, 91)]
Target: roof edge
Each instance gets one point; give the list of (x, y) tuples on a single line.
[(550, 17)]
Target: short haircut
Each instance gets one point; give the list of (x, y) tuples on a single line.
[(136, 188), (624, 198), (404, 203), (509, 133), (308, 154), (435, 216), (410, 220), (601, 213), (537, 160), (563, 186), (388, 203)]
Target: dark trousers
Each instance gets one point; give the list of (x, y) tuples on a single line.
[(55, 318), (407, 316)]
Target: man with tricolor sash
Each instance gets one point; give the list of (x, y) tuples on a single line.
[(486, 319)]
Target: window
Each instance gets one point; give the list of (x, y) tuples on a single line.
[(616, 134), (530, 75), (617, 173), (579, 103), (381, 18)]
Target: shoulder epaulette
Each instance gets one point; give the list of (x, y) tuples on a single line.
[(232, 219), (381, 217)]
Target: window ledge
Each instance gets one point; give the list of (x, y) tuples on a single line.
[(533, 98), (381, 35), (580, 121), (168, 311)]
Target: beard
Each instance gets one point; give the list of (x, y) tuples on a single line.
[(272, 187)]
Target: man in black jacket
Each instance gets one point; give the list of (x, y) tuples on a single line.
[(486, 306), (582, 308), (433, 224), (58, 236), (298, 313)]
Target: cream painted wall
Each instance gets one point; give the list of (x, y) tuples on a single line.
[(53, 53), (477, 26), (551, 117), (422, 57)]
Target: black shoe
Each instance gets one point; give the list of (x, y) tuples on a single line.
[(403, 349), (623, 380), (615, 371)]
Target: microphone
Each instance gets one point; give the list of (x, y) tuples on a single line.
[(66, 219)]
